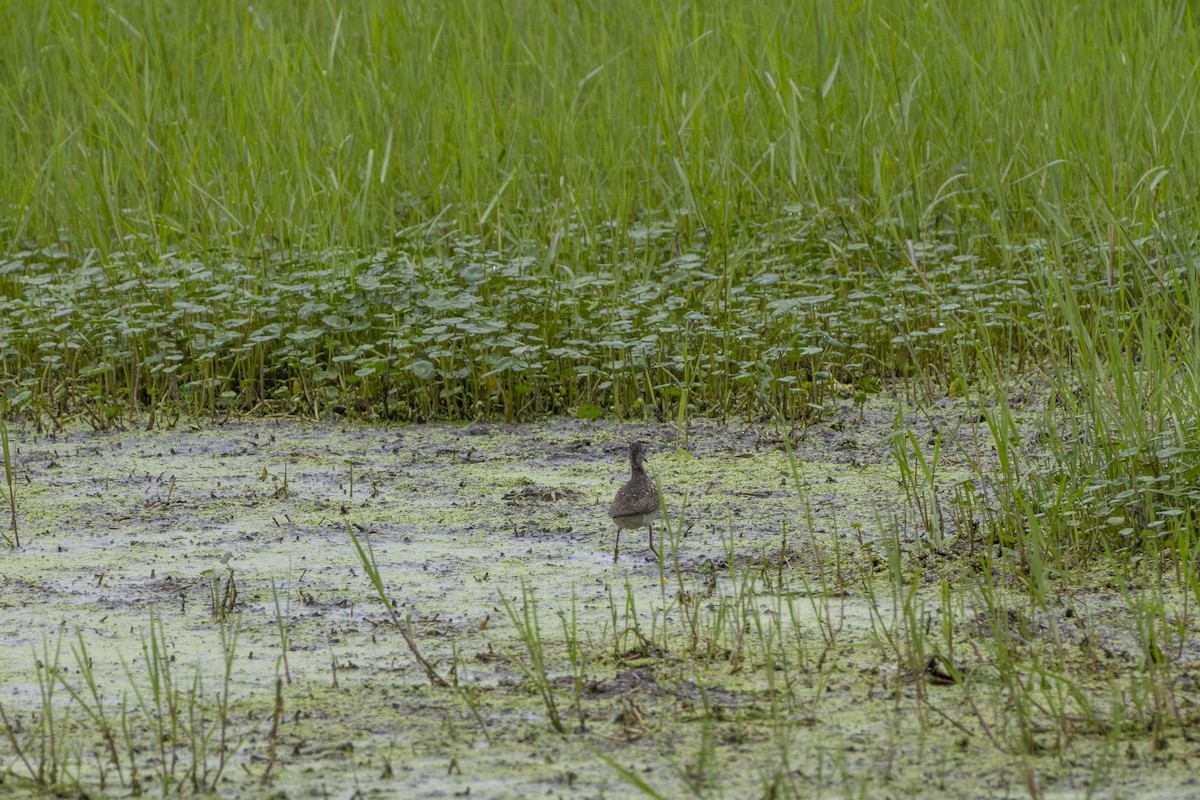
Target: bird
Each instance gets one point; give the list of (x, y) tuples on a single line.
[(636, 504)]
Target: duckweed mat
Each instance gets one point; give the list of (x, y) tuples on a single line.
[(188, 614)]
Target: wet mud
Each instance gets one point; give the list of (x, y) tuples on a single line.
[(765, 651)]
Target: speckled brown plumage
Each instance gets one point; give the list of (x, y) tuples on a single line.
[(636, 504)]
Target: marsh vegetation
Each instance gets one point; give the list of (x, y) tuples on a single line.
[(905, 297)]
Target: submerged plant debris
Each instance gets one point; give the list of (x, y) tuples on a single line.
[(808, 633)]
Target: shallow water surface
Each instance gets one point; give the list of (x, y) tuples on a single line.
[(762, 653)]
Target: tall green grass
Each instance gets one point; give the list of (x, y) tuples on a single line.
[(315, 125)]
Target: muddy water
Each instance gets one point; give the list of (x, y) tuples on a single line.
[(120, 528)]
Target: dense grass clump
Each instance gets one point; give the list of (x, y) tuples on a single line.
[(290, 126)]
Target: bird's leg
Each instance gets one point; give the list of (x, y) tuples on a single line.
[(652, 550), (617, 546)]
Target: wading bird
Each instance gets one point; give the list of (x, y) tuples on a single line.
[(636, 504)]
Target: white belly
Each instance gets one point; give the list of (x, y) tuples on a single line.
[(637, 520)]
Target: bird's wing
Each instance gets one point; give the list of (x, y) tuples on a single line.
[(631, 499)]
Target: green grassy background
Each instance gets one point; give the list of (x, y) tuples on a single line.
[(309, 125)]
